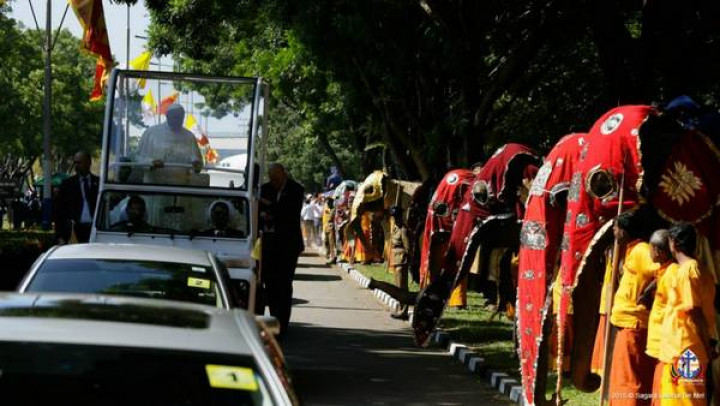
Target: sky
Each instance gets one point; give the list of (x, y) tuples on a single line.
[(115, 18), (116, 21)]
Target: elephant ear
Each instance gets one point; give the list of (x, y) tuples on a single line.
[(687, 185), (508, 164)]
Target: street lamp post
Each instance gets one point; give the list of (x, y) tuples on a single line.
[(47, 111)]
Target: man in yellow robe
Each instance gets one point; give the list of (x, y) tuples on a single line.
[(655, 298), (631, 370), (688, 328)]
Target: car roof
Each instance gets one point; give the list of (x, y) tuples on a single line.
[(138, 252), (124, 322)]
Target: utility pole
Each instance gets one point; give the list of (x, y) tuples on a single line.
[(47, 112), (127, 49)]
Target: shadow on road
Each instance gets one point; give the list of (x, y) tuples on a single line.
[(317, 277), (315, 266), (334, 366)]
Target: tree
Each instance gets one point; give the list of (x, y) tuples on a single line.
[(77, 122)]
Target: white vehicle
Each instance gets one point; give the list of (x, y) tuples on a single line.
[(94, 350), (161, 182), (146, 271)]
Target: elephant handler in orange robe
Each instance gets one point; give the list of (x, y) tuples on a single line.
[(688, 329), (655, 298), (631, 370)]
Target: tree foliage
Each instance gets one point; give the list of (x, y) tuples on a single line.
[(76, 123), (441, 83)]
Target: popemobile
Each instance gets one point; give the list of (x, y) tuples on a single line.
[(184, 171)]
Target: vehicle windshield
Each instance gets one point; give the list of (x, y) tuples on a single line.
[(67, 374), (161, 213), (174, 130), (149, 279)]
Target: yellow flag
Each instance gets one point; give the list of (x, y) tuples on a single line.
[(142, 62), (190, 122)]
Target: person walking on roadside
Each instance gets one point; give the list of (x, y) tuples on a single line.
[(306, 214), (76, 201), (328, 224), (317, 213), (281, 200)]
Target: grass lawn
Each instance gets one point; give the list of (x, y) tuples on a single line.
[(492, 339), (379, 272)]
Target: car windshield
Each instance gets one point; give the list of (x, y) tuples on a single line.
[(157, 213), (181, 131), (123, 277), (66, 374)]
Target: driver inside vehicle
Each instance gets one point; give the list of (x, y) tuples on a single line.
[(221, 214), (136, 213)]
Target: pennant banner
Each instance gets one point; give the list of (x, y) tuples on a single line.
[(95, 40), (142, 62), (166, 102)]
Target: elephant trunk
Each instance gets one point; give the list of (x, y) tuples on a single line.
[(403, 296)]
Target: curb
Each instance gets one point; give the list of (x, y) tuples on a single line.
[(473, 361)]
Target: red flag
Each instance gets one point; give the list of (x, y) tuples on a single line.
[(166, 102), (95, 40)]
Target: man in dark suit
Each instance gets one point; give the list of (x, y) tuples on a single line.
[(76, 201), (281, 200)]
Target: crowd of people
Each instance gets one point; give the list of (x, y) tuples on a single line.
[(21, 212), (312, 217)]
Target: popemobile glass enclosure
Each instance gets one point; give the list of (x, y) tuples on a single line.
[(181, 165)]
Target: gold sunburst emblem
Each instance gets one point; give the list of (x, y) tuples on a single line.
[(680, 183)]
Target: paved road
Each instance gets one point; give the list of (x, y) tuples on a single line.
[(344, 349)]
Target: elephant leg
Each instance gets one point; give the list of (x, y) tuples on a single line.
[(541, 377), (507, 290)]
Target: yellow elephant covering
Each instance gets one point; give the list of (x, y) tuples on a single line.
[(365, 194)]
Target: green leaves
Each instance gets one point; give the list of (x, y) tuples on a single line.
[(77, 122)]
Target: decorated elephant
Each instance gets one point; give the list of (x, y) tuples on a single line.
[(633, 158), (441, 214), (373, 198), (416, 217), (488, 217)]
